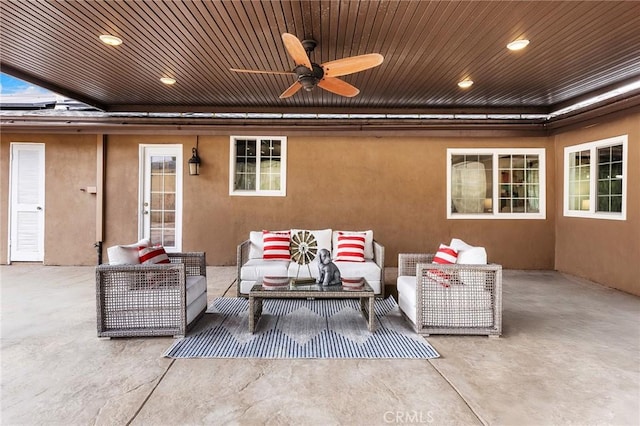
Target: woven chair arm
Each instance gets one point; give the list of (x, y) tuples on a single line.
[(407, 262), (135, 277), (482, 276), (195, 262)]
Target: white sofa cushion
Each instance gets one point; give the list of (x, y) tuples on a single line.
[(196, 285), (407, 296), (126, 254), (292, 271), (255, 268), (256, 245), (368, 241), (322, 236), (470, 255), (367, 269), (195, 307), (467, 254)]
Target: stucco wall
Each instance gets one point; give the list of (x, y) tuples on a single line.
[(70, 219), (394, 186), (605, 251)]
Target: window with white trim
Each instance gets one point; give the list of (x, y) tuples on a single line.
[(258, 166), (595, 182), (496, 183)]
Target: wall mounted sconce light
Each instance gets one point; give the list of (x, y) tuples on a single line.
[(194, 161)]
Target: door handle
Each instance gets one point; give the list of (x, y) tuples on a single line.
[(38, 208)]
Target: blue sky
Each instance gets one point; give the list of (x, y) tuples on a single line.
[(12, 86)]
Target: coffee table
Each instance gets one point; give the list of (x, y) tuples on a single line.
[(308, 291)]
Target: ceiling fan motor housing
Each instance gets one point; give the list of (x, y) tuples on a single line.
[(309, 78)]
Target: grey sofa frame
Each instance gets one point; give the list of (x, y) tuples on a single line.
[(450, 318)]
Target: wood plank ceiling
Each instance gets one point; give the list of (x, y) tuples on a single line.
[(578, 49)]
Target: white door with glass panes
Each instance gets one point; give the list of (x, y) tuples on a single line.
[(27, 203), (161, 195)]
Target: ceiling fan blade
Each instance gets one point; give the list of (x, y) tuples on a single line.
[(339, 87), (352, 64), (296, 50), (263, 72), (291, 90)]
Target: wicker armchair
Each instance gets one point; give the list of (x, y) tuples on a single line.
[(151, 300), (450, 299)]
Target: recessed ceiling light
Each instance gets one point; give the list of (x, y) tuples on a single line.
[(110, 40), (168, 80), (518, 44), (466, 83)]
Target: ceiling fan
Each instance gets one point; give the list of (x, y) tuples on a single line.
[(309, 74)]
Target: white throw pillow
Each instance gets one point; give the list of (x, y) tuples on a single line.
[(126, 254), (256, 248), (322, 236), (468, 254)]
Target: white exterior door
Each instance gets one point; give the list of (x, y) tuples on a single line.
[(161, 195), (27, 203)]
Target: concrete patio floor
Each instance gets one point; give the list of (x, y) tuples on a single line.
[(569, 355)]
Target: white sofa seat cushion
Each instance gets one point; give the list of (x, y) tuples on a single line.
[(195, 307), (196, 285), (304, 270), (367, 269), (256, 268), (246, 286), (407, 296)]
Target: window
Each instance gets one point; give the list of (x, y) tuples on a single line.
[(595, 179), (496, 184), (258, 166)]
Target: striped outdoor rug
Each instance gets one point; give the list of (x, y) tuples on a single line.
[(300, 328)]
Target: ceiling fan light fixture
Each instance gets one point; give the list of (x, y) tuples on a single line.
[(308, 82), (110, 40), (518, 44), (465, 84), (168, 80)]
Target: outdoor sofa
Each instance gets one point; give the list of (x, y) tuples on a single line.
[(162, 299), (454, 298), (253, 263)]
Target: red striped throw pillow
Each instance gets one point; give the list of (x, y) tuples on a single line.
[(153, 255), (276, 245), (350, 247), (444, 256)]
